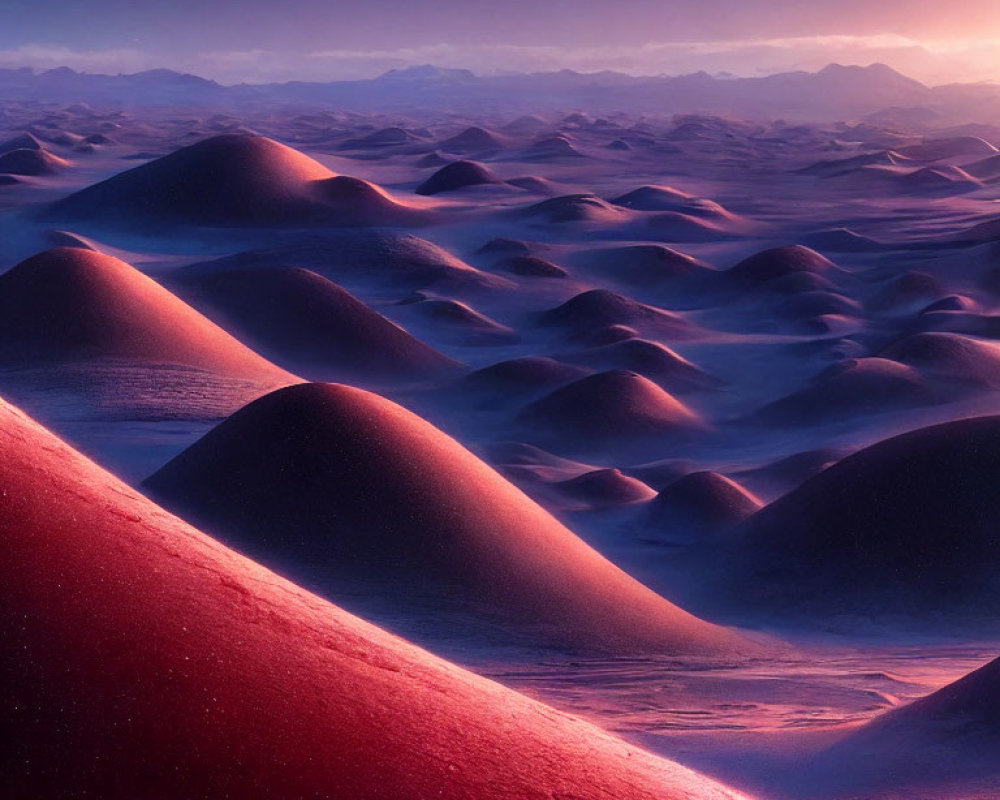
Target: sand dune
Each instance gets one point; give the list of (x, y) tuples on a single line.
[(473, 140), (463, 324), (599, 307), (532, 267), (457, 175), (131, 635), (326, 480), (905, 527), (31, 162), (780, 262), (950, 356), (699, 504), (309, 324), (855, 386), (24, 141), (651, 360), (646, 265), (616, 404), (391, 261), (236, 180), (528, 373), (575, 208), (943, 746), (601, 489)]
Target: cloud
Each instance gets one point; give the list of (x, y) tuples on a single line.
[(929, 61)]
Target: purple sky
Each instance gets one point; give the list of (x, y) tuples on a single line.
[(233, 40)]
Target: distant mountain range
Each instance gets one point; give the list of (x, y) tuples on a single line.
[(834, 93)]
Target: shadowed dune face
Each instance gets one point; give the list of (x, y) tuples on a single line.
[(599, 307), (326, 478), (235, 180), (71, 304), (129, 633), (699, 504), (31, 162), (457, 175), (947, 744), (609, 405), (907, 526), (310, 324), (779, 262)]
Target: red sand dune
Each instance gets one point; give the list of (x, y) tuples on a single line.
[(236, 179), (309, 324), (71, 304), (334, 480), (699, 504), (906, 526), (651, 360), (779, 262), (611, 405), (941, 747), (599, 307), (457, 175), (140, 653)]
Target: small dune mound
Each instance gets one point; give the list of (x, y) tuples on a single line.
[(785, 474), (599, 307), (72, 304), (907, 526), (666, 198), (309, 324), (649, 265), (570, 208), (673, 226), (697, 505), (466, 325), (941, 178), (908, 292), (949, 355), (25, 141), (551, 148), (854, 386), (386, 259), (457, 175), (842, 240), (848, 166), (32, 163), (779, 262), (384, 137), (235, 180), (434, 159), (337, 484), (525, 374), (948, 740), (472, 140), (505, 247), (532, 267), (154, 656), (620, 145), (953, 147), (601, 489), (651, 360), (611, 405)]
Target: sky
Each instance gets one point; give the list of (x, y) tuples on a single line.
[(936, 41)]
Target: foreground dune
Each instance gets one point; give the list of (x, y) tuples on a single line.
[(141, 653), (337, 481)]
